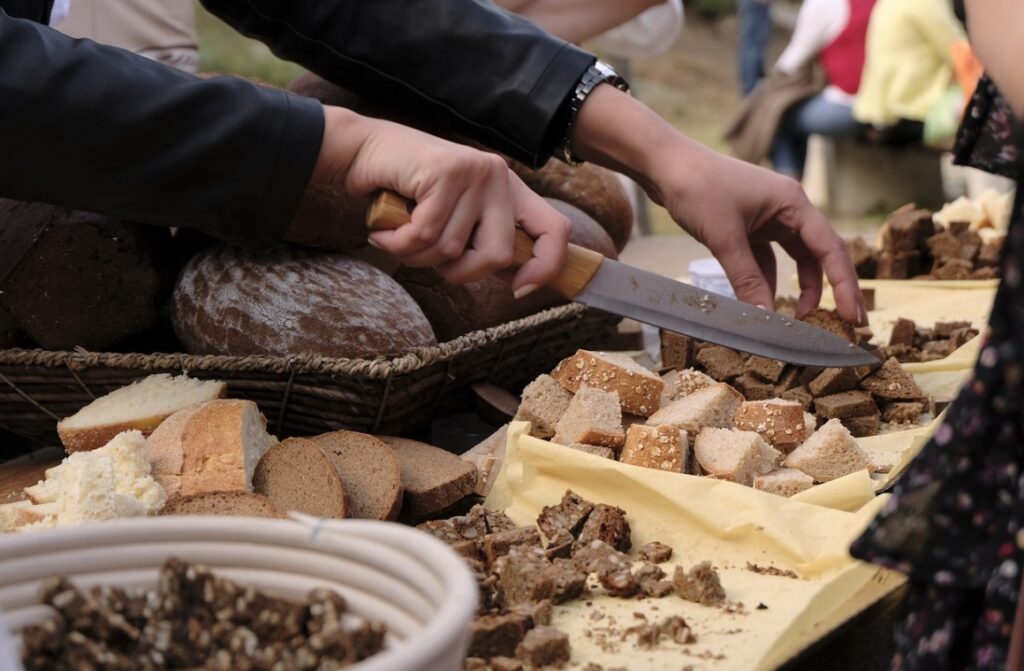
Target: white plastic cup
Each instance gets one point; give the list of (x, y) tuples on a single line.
[(708, 274)]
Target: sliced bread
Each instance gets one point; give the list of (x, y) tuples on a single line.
[(241, 504), (432, 479), (544, 402), (370, 471), (297, 475), (779, 422), (210, 447), (596, 450), (594, 417), (734, 455), (663, 447), (639, 389), (713, 406), (829, 454), (142, 405), (784, 482)]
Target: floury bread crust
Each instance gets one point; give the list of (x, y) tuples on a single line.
[(284, 302)]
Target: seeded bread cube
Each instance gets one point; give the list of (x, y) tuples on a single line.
[(691, 380), (713, 406), (639, 389), (594, 417), (544, 402), (663, 447), (739, 456), (780, 423), (830, 453), (784, 482)]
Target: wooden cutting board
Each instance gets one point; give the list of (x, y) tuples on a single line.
[(24, 471)]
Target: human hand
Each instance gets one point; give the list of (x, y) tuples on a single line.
[(468, 202), (734, 208)]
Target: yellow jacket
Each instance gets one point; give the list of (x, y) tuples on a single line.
[(909, 64)]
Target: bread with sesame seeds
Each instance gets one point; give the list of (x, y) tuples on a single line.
[(779, 422), (639, 389), (664, 447)]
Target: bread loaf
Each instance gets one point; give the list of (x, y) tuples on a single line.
[(432, 479), (209, 447), (142, 405), (241, 504), (297, 475), (72, 278), (369, 470), (284, 302)]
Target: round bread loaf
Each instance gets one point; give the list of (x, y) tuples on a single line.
[(454, 310), (282, 302)]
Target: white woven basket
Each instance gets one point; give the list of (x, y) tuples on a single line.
[(403, 578)]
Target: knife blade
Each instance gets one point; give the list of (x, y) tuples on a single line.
[(605, 284)]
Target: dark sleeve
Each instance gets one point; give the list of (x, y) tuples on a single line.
[(101, 129), (491, 75)]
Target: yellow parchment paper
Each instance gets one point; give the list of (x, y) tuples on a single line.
[(704, 519)]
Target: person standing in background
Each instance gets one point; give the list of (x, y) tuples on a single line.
[(163, 30), (755, 17)]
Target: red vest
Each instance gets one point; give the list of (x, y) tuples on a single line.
[(843, 59)]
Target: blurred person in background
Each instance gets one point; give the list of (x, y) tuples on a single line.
[(833, 33), (649, 25), (755, 27)]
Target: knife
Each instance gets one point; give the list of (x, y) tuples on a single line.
[(605, 284)]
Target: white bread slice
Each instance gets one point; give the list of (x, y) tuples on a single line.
[(639, 389), (830, 453), (714, 406), (141, 405), (10, 513), (784, 482), (734, 455), (212, 447)]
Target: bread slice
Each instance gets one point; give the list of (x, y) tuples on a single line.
[(544, 402), (779, 422), (892, 383), (142, 405), (713, 406), (594, 417), (734, 455), (432, 479), (370, 471), (663, 447), (639, 389), (241, 504), (209, 447), (784, 482), (691, 380), (829, 454), (297, 475)]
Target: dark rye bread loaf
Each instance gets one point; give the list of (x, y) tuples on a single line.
[(432, 479), (282, 302), (70, 278), (369, 470), (296, 475), (454, 310)]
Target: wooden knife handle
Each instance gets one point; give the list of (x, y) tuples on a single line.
[(390, 211)]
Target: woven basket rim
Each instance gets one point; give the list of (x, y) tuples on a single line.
[(378, 368)]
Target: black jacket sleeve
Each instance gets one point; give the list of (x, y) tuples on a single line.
[(490, 74), (99, 128)]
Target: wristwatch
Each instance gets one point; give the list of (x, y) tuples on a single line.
[(597, 74)]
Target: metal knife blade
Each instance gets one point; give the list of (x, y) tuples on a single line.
[(675, 306)]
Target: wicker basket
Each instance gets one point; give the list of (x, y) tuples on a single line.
[(305, 395)]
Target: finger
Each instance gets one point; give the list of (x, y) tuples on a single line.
[(550, 231), (808, 272), (456, 234), (765, 257), (493, 240), (744, 273), (429, 218)]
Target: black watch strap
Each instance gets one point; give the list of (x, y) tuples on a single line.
[(597, 74)]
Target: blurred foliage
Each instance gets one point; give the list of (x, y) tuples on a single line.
[(221, 49)]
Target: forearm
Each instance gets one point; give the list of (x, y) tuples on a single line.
[(493, 76), (989, 23), (579, 20), (101, 129)]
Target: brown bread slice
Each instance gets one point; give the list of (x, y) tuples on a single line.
[(833, 381), (713, 406), (432, 478), (831, 321), (892, 383), (829, 454), (722, 363), (370, 471), (779, 422), (242, 504), (676, 350), (845, 404), (297, 475), (665, 447), (639, 389)]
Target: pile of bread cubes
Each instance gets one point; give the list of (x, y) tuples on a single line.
[(912, 245), (723, 414)]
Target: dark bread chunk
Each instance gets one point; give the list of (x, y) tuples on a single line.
[(544, 646), (984, 273), (497, 635), (864, 257), (560, 546), (946, 329), (768, 370), (569, 580), (524, 576), (652, 581), (892, 383), (903, 332), (906, 230), (903, 412), (831, 321), (845, 404), (944, 246), (700, 584), (539, 613), (498, 544), (833, 381), (789, 379), (442, 529), (969, 252), (902, 353), (989, 254), (754, 389), (599, 557), (721, 363), (862, 427), (937, 349), (568, 516), (655, 552), (938, 405), (800, 395), (898, 266), (953, 269), (620, 583), (958, 228), (869, 298), (808, 374), (677, 350), (608, 524), (961, 336)]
